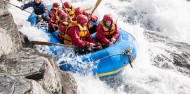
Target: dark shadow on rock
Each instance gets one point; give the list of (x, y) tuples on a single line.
[(36, 76), (26, 42)]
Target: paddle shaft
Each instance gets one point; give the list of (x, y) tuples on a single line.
[(54, 44), (49, 43), (97, 3), (17, 6)]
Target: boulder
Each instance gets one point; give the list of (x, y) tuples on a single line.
[(22, 69)]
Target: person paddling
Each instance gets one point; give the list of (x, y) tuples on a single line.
[(69, 9), (40, 9), (77, 33), (62, 26), (54, 9), (53, 22), (107, 32), (92, 18)]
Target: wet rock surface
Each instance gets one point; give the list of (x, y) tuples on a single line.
[(22, 69), (27, 71), (10, 37)]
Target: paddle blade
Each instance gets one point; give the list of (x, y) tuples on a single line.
[(97, 3)]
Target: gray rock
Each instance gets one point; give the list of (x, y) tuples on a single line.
[(12, 85), (38, 73), (70, 87), (10, 38), (24, 70)]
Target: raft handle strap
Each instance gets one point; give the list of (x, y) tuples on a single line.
[(130, 54)]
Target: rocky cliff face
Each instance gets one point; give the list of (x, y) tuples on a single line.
[(10, 38), (23, 70), (28, 72)]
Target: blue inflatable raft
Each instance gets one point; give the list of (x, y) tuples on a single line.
[(103, 63)]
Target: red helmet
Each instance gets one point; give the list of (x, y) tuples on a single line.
[(108, 17), (67, 4), (63, 15), (60, 11), (82, 19), (78, 11), (56, 5)]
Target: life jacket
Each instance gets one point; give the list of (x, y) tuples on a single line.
[(82, 33), (108, 32), (64, 23), (56, 12), (68, 10), (57, 19), (38, 9)]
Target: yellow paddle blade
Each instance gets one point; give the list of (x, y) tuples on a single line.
[(97, 3)]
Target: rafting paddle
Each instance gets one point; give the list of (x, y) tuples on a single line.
[(16, 6), (97, 3), (49, 43)]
